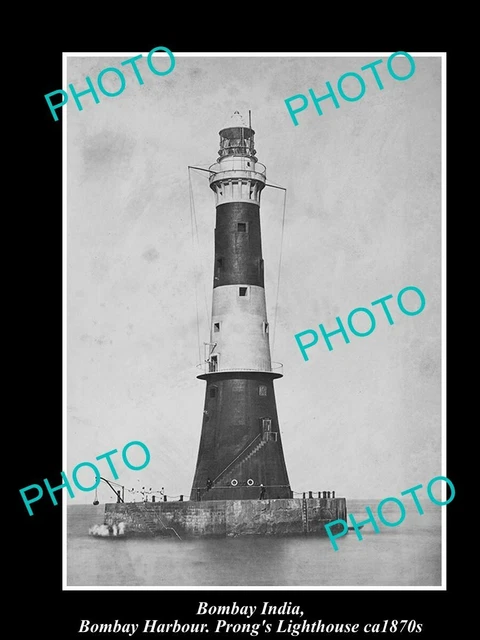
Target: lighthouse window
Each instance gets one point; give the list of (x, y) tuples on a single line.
[(213, 392), (242, 291), (265, 327), (242, 227), (262, 390), (260, 269), (216, 326), (267, 424)]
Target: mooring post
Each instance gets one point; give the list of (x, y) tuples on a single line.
[(305, 514)]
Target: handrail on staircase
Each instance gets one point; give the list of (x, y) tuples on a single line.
[(166, 528), (144, 511), (239, 455)]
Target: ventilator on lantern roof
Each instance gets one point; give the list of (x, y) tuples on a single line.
[(236, 120)]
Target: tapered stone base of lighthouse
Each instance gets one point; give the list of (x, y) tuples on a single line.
[(241, 484)]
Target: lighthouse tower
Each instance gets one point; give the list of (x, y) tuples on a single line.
[(240, 445)]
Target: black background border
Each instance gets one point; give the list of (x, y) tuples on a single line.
[(38, 560)]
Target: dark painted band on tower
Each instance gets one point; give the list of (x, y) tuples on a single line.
[(241, 437), (238, 245)]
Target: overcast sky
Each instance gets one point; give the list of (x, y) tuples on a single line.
[(363, 220)]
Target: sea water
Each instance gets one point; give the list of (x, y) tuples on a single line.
[(407, 555)]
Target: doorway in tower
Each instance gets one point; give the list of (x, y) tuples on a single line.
[(267, 434), (213, 364)]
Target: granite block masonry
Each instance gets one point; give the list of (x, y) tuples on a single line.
[(226, 518)]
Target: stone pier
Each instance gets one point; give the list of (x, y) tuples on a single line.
[(227, 518)]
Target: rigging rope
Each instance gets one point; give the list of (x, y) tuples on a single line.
[(198, 239), (195, 235), (279, 269), (195, 275)]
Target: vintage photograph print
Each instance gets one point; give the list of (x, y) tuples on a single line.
[(253, 310)]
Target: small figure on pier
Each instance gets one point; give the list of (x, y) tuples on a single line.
[(262, 492), (209, 484)]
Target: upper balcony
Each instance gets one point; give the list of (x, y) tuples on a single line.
[(235, 168)]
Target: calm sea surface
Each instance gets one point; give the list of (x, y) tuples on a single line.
[(407, 555)]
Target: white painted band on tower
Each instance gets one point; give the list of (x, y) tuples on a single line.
[(240, 328)]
